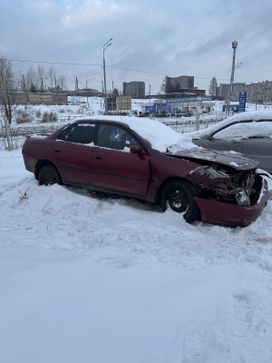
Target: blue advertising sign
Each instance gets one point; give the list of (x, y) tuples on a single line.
[(184, 100), (150, 109), (242, 101)]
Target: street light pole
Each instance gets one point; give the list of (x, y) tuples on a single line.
[(105, 46), (234, 47)]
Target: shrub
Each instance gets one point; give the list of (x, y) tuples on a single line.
[(49, 117), (23, 117), (38, 113)]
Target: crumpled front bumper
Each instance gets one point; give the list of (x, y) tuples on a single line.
[(232, 215)]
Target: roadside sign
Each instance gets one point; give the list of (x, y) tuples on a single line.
[(242, 101)]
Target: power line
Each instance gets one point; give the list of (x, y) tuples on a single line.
[(57, 63), (100, 65), (83, 64)]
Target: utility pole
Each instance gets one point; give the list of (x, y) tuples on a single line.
[(234, 47), (105, 46)]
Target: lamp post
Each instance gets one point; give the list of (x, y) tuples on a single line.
[(87, 80), (105, 46), (234, 47)]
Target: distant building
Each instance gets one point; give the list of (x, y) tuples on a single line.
[(179, 84), (134, 89), (223, 91), (46, 98), (123, 103), (185, 106), (259, 92)]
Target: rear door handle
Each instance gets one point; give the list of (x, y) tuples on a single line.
[(57, 151), (98, 157)]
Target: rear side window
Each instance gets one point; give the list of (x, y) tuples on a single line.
[(80, 133)]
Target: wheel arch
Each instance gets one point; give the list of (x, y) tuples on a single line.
[(44, 162), (168, 181), (189, 190)]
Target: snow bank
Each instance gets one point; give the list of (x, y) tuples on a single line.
[(85, 278)]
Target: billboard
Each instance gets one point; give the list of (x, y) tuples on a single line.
[(242, 101)]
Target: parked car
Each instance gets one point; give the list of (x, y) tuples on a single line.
[(249, 133), (131, 156)]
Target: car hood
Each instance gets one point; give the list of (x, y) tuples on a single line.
[(231, 159)]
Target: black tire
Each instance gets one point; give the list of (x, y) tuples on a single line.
[(179, 196), (49, 175)]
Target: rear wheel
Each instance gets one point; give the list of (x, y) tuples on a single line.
[(179, 196), (49, 175)]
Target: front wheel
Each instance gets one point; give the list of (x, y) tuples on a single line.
[(179, 196), (48, 175)]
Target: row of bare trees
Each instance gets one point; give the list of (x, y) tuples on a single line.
[(7, 100), (40, 79), (34, 80)]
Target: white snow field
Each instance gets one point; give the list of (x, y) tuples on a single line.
[(91, 279)]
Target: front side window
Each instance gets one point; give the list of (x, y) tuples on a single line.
[(244, 130), (79, 133), (114, 137)]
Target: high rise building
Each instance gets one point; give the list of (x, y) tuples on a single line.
[(134, 89), (179, 84)]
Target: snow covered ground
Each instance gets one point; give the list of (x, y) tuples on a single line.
[(85, 278)]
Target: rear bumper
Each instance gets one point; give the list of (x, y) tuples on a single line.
[(231, 215)]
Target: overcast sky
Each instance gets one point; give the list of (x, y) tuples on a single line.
[(154, 38)]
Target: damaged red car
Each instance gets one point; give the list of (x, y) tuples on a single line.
[(145, 159)]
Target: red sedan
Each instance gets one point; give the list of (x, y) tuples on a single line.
[(135, 157)]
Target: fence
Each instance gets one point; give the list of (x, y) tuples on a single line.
[(184, 126), (19, 134)]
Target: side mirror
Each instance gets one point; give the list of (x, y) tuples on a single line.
[(136, 149), (209, 137)]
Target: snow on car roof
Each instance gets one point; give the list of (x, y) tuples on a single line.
[(251, 115), (159, 135)]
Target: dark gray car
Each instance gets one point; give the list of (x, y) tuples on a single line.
[(249, 133)]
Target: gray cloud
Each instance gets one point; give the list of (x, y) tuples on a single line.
[(173, 38)]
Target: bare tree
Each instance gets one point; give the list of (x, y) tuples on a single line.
[(30, 80), (7, 97), (61, 83), (52, 78), (40, 79), (163, 86), (213, 87)]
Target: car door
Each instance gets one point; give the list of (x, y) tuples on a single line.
[(221, 144), (260, 149), (115, 167), (258, 144), (73, 153)]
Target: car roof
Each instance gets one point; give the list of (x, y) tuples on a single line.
[(243, 116)]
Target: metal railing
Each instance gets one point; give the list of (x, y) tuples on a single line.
[(19, 133)]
